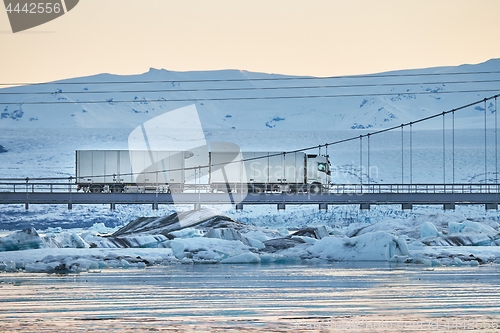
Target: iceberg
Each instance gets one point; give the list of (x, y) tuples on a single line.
[(21, 240), (375, 246), (428, 230)]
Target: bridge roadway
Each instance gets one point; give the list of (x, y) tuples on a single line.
[(488, 195)]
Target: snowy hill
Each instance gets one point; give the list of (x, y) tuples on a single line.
[(373, 102)]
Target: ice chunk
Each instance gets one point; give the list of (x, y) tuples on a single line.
[(231, 234), (279, 244), (139, 240), (374, 246), (454, 228), (8, 266), (480, 227), (403, 247), (428, 230), (36, 267), (202, 249), (65, 240), (309, 240), (177, 249), (21, 240), (101, 228), (314, 232), (262, 235), (244, 258), (186, 233), (466, 239)]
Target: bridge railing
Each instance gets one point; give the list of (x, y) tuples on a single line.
[(66, 187), (37, 187), (413, 188)]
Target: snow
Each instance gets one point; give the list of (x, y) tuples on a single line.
[(373, 110)]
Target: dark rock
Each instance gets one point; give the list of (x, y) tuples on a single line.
[(460, 240), (316, 232), (202, 219), (277, 244)]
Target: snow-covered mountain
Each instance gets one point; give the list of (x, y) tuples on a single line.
[(374, 101)]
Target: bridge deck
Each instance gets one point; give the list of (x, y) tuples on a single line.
[(252, 199), (338, 194)]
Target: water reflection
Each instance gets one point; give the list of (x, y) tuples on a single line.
[(254, 298)]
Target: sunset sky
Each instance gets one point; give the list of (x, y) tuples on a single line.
[(316, 37)]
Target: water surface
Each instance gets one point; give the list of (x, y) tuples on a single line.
[(255, 298)]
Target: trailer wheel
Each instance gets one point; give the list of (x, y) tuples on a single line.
[(258, 189), (117, 189), (96, 188), (175, 189)]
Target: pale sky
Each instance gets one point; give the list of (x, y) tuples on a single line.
[(299, 37)]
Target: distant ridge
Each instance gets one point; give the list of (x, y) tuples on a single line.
[(373, 101)]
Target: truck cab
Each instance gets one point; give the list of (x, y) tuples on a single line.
[(318, 172)]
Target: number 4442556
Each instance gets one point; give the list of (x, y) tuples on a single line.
[(34, 8)]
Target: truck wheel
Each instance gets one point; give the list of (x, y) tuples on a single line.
[(314, 189)]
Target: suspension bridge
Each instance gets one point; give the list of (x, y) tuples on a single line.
[(448, 193)]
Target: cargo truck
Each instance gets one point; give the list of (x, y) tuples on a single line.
[(109, 171), (269, 172), (130, 170)]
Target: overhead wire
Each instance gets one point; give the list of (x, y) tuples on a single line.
[(198, 99), (340, 86), (360, 137)]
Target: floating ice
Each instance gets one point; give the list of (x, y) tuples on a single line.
[(244, 258), (375, 246), (21, 240), (428, 230)]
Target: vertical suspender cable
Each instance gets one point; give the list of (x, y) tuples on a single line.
[(453, 145), (411, 153), (361, 158), (485, 147), (496, 142), (368, 171), (402, 155), (444, 152)]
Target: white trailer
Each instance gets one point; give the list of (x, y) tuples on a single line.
[(268, 171), (132, 170)]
